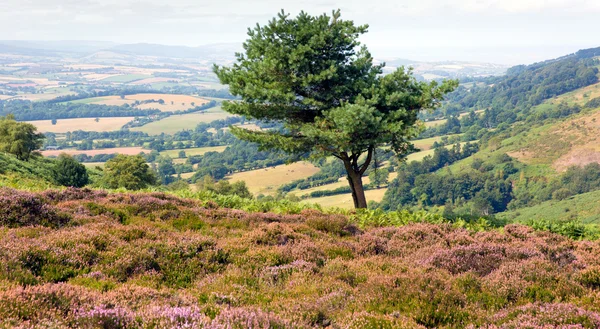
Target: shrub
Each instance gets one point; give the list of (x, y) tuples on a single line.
[(24, 209)]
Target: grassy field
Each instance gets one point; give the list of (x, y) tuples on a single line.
[(121, 150), (584, 207), (579, 96), (344, 201), (188, 121), (266, 181), (574, 141), (193, 151), (85, 124)]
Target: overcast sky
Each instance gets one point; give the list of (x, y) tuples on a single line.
[(501, 31)]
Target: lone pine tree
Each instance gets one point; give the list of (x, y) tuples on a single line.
[(311, 74)]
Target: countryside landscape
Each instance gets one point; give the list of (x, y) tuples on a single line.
[(296, 181)]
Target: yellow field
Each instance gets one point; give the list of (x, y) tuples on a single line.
[(345, 200), (175, 123), (93, 164), (418, 156), (193, 151), (435, 123), (120, 150), (172, 102), (266, 181), (427, 143), (187, 175), (85, 124)]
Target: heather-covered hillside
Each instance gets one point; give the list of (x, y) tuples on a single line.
[(90, 259)]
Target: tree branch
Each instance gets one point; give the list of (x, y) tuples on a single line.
[(365, 165)]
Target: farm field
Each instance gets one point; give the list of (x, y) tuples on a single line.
[(152, 80), (179, 102), (175, 123), (193, 151), (344, 201), (85, 124), (133, 150), (427, 143), (125, 78), (267, 180), (435, 123)]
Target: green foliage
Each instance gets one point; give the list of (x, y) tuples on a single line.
[(18, 138), (309, 74), (574, 229), (224, 187), (129, 172), (69, 172)]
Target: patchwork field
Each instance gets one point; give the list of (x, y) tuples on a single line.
[(266, 181), (85, 124), (175, 123), (133, 150)]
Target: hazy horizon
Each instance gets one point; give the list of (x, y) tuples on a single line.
[(504, 32)]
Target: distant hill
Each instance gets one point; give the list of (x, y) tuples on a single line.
[(51, 48), (212, 51)]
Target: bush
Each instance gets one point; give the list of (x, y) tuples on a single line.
[(69, 172)]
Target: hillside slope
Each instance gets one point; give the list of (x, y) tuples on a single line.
[(99, 260), (33, 175)]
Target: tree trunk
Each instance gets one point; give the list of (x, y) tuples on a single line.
[(358, 191)]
